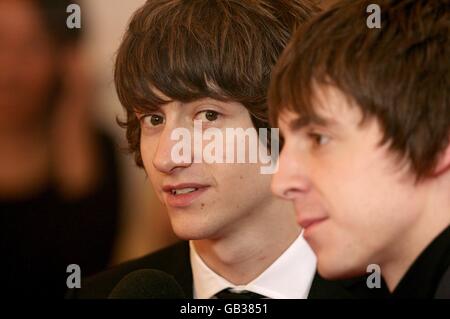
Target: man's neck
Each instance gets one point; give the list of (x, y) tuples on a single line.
[(242, 256)]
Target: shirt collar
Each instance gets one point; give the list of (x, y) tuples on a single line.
[(289, 277)]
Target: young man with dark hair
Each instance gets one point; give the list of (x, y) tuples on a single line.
[(365, 116), (209, 62)]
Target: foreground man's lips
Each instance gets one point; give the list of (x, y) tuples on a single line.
[(182, 195), (309, 224)]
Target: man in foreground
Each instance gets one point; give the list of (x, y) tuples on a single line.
[(365, 116)]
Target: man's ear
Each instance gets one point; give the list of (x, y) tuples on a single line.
[(443, 163)]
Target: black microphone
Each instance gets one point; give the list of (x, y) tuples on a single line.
[(147, 284)]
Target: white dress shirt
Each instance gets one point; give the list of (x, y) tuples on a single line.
[(289, 277)]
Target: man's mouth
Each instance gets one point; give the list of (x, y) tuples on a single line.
[(305, 223), (309, 224), (186, 190), (183, 195)]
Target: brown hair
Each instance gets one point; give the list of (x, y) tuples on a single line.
[(398, 74), (222, 49)]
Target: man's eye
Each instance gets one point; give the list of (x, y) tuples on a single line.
[(319, 139), (153, 120), (208, 116)]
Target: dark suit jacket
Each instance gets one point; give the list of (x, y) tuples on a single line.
[(429, 276), (175, 261)]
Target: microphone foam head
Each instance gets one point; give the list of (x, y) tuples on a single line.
[(147, 284)]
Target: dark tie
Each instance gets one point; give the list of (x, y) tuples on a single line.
[(228, 294)]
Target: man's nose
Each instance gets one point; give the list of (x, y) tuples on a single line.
[(291, 180), (167, 157)]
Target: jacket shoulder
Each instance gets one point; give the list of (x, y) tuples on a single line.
[(173, 260)]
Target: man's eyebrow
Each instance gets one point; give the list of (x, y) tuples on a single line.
[(142, 110), (299, 122), (302, 121)]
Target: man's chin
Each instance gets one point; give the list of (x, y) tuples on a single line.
[(190, 231), (337, 270), (183, 235)]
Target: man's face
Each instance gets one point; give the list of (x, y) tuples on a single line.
[(351, 196), (224, 197)]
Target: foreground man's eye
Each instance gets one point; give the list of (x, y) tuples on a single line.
[(319, 139)]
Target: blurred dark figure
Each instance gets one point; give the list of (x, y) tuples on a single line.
[(58, 175)]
